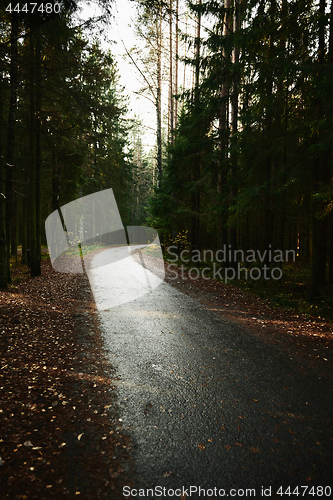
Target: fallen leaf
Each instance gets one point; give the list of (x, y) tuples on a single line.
[(114, 474), (201, 446), (227, 447), (254, 450)]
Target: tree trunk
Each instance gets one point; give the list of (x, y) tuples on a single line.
[(3, 244), (176, 65), (330, 42), (159, 95), (13, 244), (330, 272), (23, 223), (196, 167), (315, 281), (32, 159), (268, 222), (10, 159), (330, 64), (37, 261), (235, 93), (224, 128), (234, 118), (321, 175), (171, 92)]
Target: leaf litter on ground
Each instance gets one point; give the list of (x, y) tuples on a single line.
[(60, 433)]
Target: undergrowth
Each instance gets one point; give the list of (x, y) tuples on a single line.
[(292, 292)]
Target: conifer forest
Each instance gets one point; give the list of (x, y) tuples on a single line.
[(178, 155), (242, 155)]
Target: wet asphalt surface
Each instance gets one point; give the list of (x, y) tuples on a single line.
[(207, 404)]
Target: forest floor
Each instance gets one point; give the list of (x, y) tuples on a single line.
[(60, 434), (308, 339), (60, 430)]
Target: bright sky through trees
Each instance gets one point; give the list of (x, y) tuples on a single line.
[(119, 36)]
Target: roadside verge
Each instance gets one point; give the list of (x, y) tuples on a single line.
[(60, 435)]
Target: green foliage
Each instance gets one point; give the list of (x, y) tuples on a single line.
[(251, 162), (292, 292), (186, 171), (71, 135)]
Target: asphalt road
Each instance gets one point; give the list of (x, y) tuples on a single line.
[(209, 405)]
